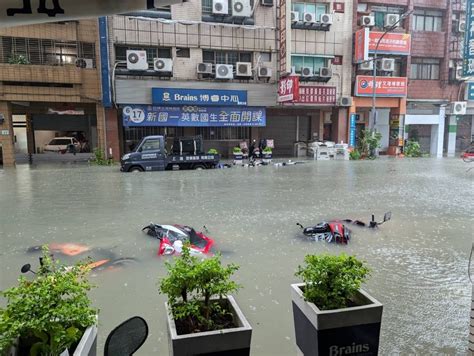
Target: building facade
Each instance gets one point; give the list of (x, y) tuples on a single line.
[(49, 87)]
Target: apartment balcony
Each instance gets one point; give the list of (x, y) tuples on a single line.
[(24, 73)]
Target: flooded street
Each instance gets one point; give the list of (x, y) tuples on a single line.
[(419, 259)]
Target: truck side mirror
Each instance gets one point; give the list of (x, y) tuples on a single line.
[(140, 149)]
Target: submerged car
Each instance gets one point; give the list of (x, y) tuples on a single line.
[(468, 155), (174, 237), (62, 144)]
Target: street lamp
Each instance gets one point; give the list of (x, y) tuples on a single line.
[(373, 120)]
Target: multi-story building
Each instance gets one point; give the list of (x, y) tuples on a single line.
[(417, 84), (49, 86)]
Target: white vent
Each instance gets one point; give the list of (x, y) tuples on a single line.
[(345, 101), (295, 16), (220, 7), (386, 64), (391, 20), (243, 69), (163, 65), (137, 60), (204, 68), (309, 17), (326, 19), (368, 21), (369, 65), (241, 8), (325, 72), (458, 108), (459, 72), (224, 71), (264, 72), (85, 63), (306, 72), (462, 26)]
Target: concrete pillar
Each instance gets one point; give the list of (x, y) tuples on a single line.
[(6, 135), (452, 129), (101, 131), (112, 134), (342, 126), (439, 134)]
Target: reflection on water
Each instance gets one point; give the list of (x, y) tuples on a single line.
[(418, 259)]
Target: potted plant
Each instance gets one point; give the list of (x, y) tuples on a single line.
[(51, 314), (412, 149), (369, 143), (202, 317), (332, 315), (354, 155), (212, 151), (267, 154), (238, 155)]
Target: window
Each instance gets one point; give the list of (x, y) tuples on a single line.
[(206, 7), (313, 62), (427, 20), (151, 53), (182, 52), (379, 13), (226, 57), (265, 57), (313, 8), (425, 68), (151, 145), (224, 133)]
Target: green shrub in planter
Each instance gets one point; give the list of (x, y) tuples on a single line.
[(50, 312), (354, 155), (331, 282), (212, 151), (412, 149)]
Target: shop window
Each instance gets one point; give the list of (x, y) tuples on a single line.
[(133, 135), (226, 57), (314, 62), (427, 20), (314, 8), (224, 133), (425, 69), (183, 52)]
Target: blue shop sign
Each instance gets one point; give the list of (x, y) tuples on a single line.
[(470, 91), (201, 97), (468, 57), (352, 130), (192, 116)]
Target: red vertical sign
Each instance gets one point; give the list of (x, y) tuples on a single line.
[(283, 15), (361, 46)]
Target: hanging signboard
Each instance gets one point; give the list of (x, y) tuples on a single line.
[(204, 97), (283, 35), (391, 43), (288, 89), (192, 116), (352, 130), (468, 58), (316, 95), (361, 50), (27, 12), (385, 86)]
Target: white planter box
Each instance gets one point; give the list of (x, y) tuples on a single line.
[(220, 342), (353, 330)]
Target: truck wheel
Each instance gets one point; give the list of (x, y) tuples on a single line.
[(136, 169), (199, 167)]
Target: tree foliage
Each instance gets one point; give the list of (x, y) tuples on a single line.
[(369, 141)]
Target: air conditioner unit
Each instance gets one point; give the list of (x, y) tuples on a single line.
[(266, 2), (136, 60), (309, 17), (241, 8), (345, 101), (224, 71), (325, 72), (85, 63), (243, 69), (204, 68), (306, 72), (367, 21), (164, 65), (459, 72), (326, 19), (220, 7), (264, 72), (462, 26), (386, 64), (369, 65), (391, 20), (458, 108), (295, 16)]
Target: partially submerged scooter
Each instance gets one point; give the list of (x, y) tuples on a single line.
[(372, 224)]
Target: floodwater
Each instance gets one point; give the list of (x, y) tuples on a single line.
[(419, 259)]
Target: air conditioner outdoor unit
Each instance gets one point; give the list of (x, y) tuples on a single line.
[(266, 2), (220, 7), (386, 64), (137, 60), (204, 68), (309, 17), (458, 108), (306, 72), (367, 21), (85, 63), (264, 72), (326, 19), (462, 26), (345, 101), (295, 16), (369, 65), (224, 71), (325, 72), (163, 65), (391, 20), (241, 8), (459, 73), (243, 69)]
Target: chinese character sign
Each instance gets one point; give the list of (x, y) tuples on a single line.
[(204, 97), (391, 43), (288, 89), (468, 60), (192, 116), (384, 86)]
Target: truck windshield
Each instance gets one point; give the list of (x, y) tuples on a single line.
[(152, 144)]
